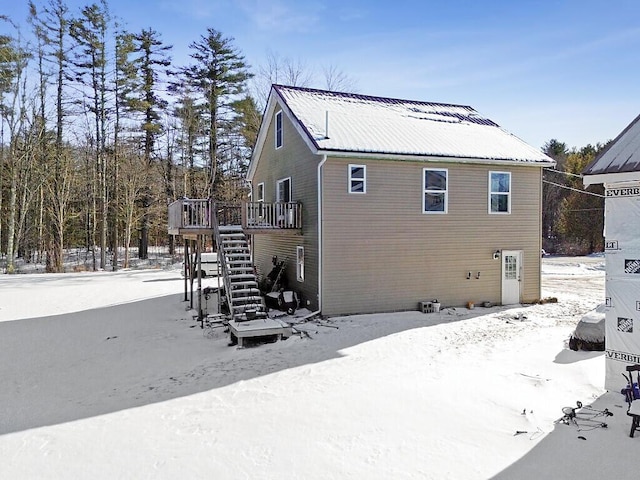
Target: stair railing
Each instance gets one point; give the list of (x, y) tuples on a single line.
[(222, 258)]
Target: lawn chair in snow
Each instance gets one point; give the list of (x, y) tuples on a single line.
[(632, 394)]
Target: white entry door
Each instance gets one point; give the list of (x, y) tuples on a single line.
[(511, 276)]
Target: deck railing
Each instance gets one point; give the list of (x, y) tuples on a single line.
[(278, 216), (195, 214), (228, 213), (190, 213)]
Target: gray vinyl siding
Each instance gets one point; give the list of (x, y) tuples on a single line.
[(381, 253), (295, 160)]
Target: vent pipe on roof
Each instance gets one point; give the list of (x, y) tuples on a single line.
[(326, 124)]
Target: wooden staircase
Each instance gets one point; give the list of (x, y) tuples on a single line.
[(249, 318), (241, 285)]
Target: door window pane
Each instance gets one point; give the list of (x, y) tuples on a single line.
[(510, 267)]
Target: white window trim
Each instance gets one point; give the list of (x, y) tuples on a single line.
[(279, 132), (445, 191), (507, 194), (260, 192), (300, 263), (363, 179)]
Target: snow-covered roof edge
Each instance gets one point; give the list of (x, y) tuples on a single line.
[(447, 112), (605, 169), (277, 98), (378, 99)]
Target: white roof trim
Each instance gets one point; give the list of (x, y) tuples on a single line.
[(275, 101), (609, 178), (260, 140), (431, 158)]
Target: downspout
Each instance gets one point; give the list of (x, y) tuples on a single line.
[(320, 247), (242, 214)]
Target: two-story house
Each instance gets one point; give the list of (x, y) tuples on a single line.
[(401, 201)]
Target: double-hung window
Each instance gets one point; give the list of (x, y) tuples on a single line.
[(435, 183), (260, 192), (279, 137), (259, 199), (357, 179), (499, 192)]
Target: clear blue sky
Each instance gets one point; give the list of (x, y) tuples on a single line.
[(542, 69)]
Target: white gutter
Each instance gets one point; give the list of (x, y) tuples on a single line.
[(320, 165), (436, 158)]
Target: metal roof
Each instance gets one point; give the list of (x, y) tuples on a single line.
[(621, 156), (347, 123)]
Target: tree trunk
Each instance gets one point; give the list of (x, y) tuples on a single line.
[(11, 226)]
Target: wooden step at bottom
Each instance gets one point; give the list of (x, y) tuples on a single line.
[(253, 310), (245, 318)]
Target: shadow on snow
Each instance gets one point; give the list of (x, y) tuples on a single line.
[(584, 451), (73, 366)]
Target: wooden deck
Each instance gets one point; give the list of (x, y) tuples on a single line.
[(230, 225), (192, 217)]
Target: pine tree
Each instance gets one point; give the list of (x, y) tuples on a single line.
[(13, 63), (124, 76), (247, 120), (151, 61), (552, 193), (89, 32), (218, 76), (51, 27), (582, 211), (189, 116)]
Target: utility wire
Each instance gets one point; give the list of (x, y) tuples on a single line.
[(573, 189), (585, 209), (564, 173)]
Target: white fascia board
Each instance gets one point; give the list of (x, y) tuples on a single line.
[(275, 100), (434, 158), (262, 133), (610, 178)]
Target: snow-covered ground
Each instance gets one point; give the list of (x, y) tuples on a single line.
[(107, 375)]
